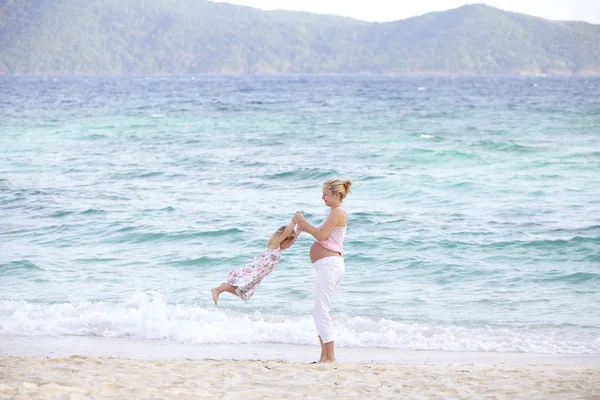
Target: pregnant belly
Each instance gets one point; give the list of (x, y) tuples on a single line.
[(317, 251)]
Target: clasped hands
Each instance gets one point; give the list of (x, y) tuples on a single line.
[(298, 219)]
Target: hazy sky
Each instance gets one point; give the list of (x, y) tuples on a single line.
[(391, 10)]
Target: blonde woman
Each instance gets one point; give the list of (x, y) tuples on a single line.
[(326, 254), (243, 281)]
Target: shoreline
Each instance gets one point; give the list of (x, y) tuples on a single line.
[(101, 368), (142, 349)]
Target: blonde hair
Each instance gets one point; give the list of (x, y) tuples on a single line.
[(279, 231), (338, 186)]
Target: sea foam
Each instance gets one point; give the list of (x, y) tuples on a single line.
[(148, 316)]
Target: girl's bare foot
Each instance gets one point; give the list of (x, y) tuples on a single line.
[(215, 295)]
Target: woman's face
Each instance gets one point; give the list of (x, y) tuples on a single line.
[(330, 199)]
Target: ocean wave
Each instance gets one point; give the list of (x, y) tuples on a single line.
[(142, 237), (506, 147), (59, 214), (148, 316), (428, 156), (136, 175), (543, 243), (91, 211), (561, 242), (575, 277), (21, 265), (97, 136), (303, 173), (594, 229), (198, 261)]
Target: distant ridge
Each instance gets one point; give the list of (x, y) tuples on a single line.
[(198, 36)]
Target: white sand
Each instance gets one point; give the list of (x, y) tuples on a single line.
[(118, 368)]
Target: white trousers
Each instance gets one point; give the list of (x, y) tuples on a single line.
[(329, 271)]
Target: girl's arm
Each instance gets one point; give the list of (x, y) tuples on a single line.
[(333, 219), (288, 230)]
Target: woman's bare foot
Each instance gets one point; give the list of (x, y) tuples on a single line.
[(328, 360), (327, 352), (215, 295)]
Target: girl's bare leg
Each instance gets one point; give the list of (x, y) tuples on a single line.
[(224, 287)]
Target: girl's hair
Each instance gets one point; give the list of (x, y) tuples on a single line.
[(278, 232), (338, 186)]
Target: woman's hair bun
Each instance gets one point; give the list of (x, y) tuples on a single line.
[(347, 185)]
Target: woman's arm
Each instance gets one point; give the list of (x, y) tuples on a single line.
[(333, 219)]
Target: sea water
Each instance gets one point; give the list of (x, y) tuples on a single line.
[(473, 222)]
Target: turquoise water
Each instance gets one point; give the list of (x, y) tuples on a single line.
[(474, 222)]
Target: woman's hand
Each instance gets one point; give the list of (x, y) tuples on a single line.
[(299, 218)]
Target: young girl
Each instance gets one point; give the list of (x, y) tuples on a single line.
[(326, 254), (243, 281)]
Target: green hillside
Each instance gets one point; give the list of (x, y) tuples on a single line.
[(197, 36)]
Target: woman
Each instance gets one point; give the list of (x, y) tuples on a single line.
[(326, 254)]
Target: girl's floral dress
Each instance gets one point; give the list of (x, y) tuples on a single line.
[(248, 277)]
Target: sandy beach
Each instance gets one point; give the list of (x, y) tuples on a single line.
[(80, 377), (52, 369)]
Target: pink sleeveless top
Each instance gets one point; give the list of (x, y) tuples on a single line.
[(335, 241)]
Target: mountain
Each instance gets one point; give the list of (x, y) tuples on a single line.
[(198, 36)]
